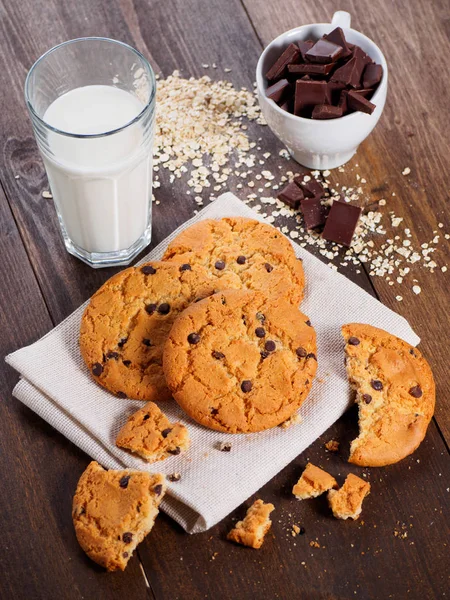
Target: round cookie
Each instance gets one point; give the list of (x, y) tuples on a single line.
[(395, 393), (242, 253), (127, 321), (113, 511), (238, 362)]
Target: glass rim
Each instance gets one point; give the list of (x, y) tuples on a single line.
[(89, 135)]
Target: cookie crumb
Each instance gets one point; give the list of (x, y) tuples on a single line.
[(174, 477), (224, 447), (296, 419), (332, 446)]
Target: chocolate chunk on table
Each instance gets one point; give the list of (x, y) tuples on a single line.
[(291, 195), (337, 37), (314, 212), (372, 75), (311, 188), (341, 223), (324, 52), (326, 111), (279, 90), (309, 69), (309, 93), (289, 56), (357, 101)]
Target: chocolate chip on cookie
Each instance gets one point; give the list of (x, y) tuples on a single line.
[(353, 341), (268, 267), (367, 398), (217, 355), (148, 270), (260, 332), (186, 267), (246, 386), (124, 481), (416, 391), (241, 260), (164, 308), (97, 369), (193, 338), (220, 265), (270, 346), (150, 308), (301, 352), (377, 384)]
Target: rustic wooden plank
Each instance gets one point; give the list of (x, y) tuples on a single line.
[(40, 556), (410, 135)]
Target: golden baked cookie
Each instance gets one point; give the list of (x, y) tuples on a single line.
[(149, 433), (346, 502), (113, 511), (240, 252), (313, 482), (395, 394), (251, 531), (238, 362), (127, 321)]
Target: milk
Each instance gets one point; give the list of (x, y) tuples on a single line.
[(101, 186)]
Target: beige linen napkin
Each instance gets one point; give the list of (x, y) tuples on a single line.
[(56, 385)]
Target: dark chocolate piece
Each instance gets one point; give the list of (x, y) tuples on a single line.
[(326, 111), (343, 102), (289, 56), (311, 188), (324, 52), (309, 69), (358, 102), (304, 46), (372, 75), (337, 37), (335, 89), (314, 213), (309, 93), (341, 223), (278, 91), (291, 195), (350, 73), (365, 93)]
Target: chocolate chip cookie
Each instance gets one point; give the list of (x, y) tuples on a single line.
[(395, 394), (239, 362), (253, 528), (125, 325), (242, 253), (113, 511)]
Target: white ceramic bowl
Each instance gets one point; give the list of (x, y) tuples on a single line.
[(329, 143)]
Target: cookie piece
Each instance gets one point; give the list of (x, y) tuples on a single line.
[(346, 502), (113, 511), (251, 531), (395, 394), (127, 321), (242, 253), (149, 433), (313, 483), (238, 362)]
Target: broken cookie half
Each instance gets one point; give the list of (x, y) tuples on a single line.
[(395, 393), (253, 528), (313, 483)]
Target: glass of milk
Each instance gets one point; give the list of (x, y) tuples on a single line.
[(92, 105)]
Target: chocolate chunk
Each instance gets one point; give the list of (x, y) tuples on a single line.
[(288, 56), (261, 318), (246, 386), (127, 537), (241, 260), (350, 73), (174, 477), (411, 351), (217, 355), (220, 265), (150, 308), (326, 111), (225, 447), (122, 342), (279, 91), (365, 93), (214, 411), (97, 369), (146, 342), (260, 332), (264, 354), (311, 188), (376, 384), (185, 267), (165, 432), (193, 338), (337, 37), (308, 94), (112, 355), (324, 51), (358, 102), (268, 267), (314, 212), (158, 489), (309, 69), (123, 482), (146, 417), (291, 195), (341, 223), (302, 531), (121, 395), (343, 102), (353, 341), (127, 363), (148, 270), (372, 75), (175, 451), (164, 308), (304, 46), (270, 346), (416, 391), (311, 355), (367, 398), (301, 352)]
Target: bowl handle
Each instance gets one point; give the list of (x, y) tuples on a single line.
[(341, 18)]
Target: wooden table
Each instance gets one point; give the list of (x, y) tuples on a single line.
[(42, 284)]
